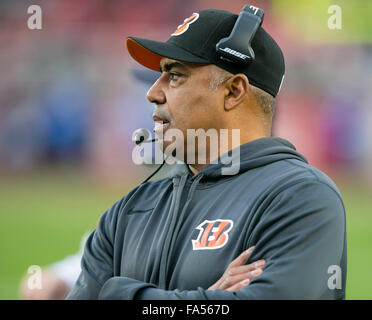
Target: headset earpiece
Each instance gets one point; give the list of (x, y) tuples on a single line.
[(237, 47)]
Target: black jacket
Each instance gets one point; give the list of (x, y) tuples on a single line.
[(173, 238)]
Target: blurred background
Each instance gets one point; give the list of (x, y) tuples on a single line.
[(69, 104)]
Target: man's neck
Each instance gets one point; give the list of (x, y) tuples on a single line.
[(195, 168)]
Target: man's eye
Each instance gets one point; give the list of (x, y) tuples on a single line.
[(173, 76)]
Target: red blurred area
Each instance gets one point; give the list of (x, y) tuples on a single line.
[(67, 95)]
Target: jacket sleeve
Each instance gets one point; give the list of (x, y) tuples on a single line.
[(97, 260), (301, 234)]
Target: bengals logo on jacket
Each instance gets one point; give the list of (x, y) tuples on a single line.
[(213, 234)]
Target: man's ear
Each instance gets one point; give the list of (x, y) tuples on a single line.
[(236, 90)]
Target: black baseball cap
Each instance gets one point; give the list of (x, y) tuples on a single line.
[(195, 41)]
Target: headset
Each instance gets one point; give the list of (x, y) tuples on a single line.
[(142, 136), (237, 46)]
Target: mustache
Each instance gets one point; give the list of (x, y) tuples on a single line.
[(162, 113)]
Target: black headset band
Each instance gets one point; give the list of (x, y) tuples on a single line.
[(237, 46)]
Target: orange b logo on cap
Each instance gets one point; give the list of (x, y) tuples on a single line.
[(185, 25)]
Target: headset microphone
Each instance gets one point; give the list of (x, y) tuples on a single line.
[(142, 136)]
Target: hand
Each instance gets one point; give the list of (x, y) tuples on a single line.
[(53, 288), (238, 275)]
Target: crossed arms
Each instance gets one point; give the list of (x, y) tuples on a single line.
[(298, 237)]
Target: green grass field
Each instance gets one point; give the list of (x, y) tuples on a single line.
[(44, 215)]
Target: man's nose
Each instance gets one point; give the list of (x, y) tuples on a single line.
[(155, 93)]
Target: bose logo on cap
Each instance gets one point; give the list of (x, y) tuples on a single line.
[(235, 53)]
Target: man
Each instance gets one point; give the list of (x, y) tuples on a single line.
[(197, 235)]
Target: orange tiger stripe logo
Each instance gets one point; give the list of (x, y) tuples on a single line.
[(185, 25), (213, 234)]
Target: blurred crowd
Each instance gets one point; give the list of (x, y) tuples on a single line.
[(68, 95)]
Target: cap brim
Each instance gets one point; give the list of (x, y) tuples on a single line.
[(149, 52)]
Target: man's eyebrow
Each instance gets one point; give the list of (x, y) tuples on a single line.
[(170, 65)]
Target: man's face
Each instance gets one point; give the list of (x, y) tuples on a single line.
[(184, 99)]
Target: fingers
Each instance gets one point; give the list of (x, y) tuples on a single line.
[(238, 275), (239, 285), (242, 258), (237, 262), (218, 283), (232, 281), (259, 264)]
